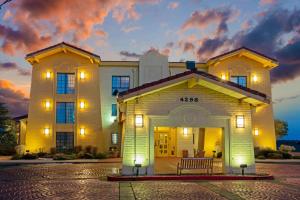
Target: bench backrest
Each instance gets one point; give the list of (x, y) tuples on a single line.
[(196, 163)]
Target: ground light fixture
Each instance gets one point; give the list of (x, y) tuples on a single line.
[(139, 120), (243, 166)]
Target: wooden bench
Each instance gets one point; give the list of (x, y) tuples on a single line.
[(195, 163)]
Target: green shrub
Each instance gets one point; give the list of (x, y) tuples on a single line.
[(62, 156), (286, 155), (53, 150), (261, 157), (296, 157), (16, 157), (88, 149), (94, 150), (83, 155), (219, 155), (41, 154), (101, 156), (287, 148), (29, 156), (263, 152), (77, 149), (275, 155)]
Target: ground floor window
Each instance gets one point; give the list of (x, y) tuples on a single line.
[(64, 141), (114, 138)]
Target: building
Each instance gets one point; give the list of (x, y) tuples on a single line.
[(151, 108)]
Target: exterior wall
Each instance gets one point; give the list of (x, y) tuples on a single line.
[(164, 108), (263, 117), (110, 123), (43, 89)]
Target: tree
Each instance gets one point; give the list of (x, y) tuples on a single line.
[(7, 133), (281, 128)]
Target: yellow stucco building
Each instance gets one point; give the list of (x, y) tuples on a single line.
[(152, 107)]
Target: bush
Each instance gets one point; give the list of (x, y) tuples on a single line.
[(296, 157), (101, 156), (16, 157), (88, 149), (94, 150), (275, 155), (41, 154), (83, 155), (261, 157), (29, 156), (62, 156), (287, 148), (286, 155), (219, 155), (263, 152), (53, 150), (77, 149)]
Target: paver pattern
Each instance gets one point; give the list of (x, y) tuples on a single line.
[(88, 181)]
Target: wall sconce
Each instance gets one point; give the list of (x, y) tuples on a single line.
[(254, 78), (82, 75), (47, 104), (223, 77), (256, 132), (240, 121), (46, 131), (81, 104), (139, 120), (82, 131), (185, 131), (48, 75)]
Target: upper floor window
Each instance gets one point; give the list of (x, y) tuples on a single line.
[(120, 84), (240, 80), (65, 83), (114, 111), (65, 113)]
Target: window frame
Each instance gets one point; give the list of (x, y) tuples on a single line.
[(238, 80), (67, 118), (64, 141), (68, 79), (119, 88)]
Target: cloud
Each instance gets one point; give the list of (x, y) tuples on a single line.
[(15, 99), (130, 29), (173, 5), (280, 100), (130, 54), (267, 2), (6, 66), (36, 24), (202, 19)]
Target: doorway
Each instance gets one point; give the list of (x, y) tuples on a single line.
[(165, 142)]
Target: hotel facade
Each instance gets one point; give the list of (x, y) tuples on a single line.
[(151, 108)]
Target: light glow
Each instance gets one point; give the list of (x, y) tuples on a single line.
[(254, 78), (139, 121), (223, 77), (82, 75), (82, 131), (240, 121), (47, 104), (185, 131), (82, 104), (139, 160), (46, 131), (256, 132), (48, 75)]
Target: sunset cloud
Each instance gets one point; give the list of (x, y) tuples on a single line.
[(7, 66), (267, 2), (15, 99), (129, 29), (130, 54), (173, 5)]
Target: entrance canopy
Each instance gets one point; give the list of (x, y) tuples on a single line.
[(193, 78)]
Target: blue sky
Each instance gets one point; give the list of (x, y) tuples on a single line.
[(183, 30)]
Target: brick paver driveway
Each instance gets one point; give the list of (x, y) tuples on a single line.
[(87, 181)]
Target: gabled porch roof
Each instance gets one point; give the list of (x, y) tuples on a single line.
[(193, 78)]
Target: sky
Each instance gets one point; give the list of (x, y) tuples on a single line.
[(182, 29)]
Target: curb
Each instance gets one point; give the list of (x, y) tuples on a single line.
[(188, 178)]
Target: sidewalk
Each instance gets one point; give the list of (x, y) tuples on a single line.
[(50, 161), (278, 161)]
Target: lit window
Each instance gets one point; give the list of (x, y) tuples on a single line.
[(65, 113), (240, 121), (120, 84), (65, 83), (139, 121), (114, 110), (240, 80), (114, 138)]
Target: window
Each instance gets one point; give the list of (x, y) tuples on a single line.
[(64, 141), (65, 113), (119, 84), (114, 138), (240, 80), (65, 83), (114, 110)]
